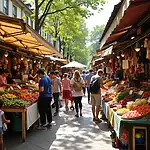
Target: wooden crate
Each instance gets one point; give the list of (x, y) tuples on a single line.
[(134, 132)]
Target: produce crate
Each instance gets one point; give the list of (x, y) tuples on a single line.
[(17, 122), (138, 144)]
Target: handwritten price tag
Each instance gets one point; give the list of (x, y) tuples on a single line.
[(141, 92), (131, 92), (122, 82), (11, 88)]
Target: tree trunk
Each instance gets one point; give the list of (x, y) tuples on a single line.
[(37, 16), (59, 44)]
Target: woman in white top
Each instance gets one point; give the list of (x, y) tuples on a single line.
[(77, 83), (2, 120)]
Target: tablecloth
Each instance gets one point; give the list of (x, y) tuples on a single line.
[(32, 115), (119, 123)]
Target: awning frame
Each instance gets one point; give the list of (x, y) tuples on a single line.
[(16, 37)]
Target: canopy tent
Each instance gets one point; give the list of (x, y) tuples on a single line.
[(74, 64), (64, 61), (15, 32)]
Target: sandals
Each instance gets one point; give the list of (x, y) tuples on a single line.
[(72, 108)]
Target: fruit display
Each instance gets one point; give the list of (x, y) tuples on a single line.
[(120, 88), (146, 94), (142, 109), (122, 111), (131, 115), (25, 96), (15, 102), (8, 96), (140, 102), (124, 101), (109, 96), (137, 112), (108, 84), (19, 97)]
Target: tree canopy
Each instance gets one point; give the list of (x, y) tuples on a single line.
[(65, 21), (44, 8), (94, 38)]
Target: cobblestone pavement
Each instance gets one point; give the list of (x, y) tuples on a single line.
[(67, 133)]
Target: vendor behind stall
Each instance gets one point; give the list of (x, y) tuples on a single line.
[(3, 80), (31, 75)]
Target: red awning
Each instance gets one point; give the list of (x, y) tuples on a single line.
[(132, 15)]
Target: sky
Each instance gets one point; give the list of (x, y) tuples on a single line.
[(103, 16)]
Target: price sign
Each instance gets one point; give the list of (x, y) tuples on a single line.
[(122, 82), (11, 88), (141, 92), (18, 87), (131, 92)]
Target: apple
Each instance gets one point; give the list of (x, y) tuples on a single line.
[(138, 135)]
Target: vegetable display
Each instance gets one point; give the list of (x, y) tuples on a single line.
[(121, 96), (19, 97)]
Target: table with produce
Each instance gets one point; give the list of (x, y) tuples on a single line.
[(21, 99), (126, 108)]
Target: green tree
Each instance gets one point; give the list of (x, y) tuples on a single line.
[(44, 8), (94, 38)]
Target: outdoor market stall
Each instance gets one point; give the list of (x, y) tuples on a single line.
[(23, 49), (23, 100), (126, 103), (127, 111)]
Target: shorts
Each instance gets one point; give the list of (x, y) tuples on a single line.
[(1, 131), (96, 99)]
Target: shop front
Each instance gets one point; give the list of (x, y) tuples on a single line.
[(126, 103)]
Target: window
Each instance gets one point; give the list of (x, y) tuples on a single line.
[(14, 11), (31, 23), (27, 19), (6, 7)]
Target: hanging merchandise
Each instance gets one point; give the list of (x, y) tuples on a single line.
[(146, 43), (148, 50), (108, 70), (125, 64)]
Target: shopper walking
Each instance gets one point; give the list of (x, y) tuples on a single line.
[(87, 82), (77, 83), (67, 91), (2, 120), (83, 76), (95, 89), (56, 90), (45, 98)]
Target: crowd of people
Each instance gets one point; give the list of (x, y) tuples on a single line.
[(71, 87)]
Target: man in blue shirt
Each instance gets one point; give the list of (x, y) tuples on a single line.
[(45, 98)]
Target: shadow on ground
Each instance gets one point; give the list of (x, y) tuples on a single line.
[(67, 133)]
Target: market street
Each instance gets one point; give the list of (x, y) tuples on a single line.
[(67, 133)]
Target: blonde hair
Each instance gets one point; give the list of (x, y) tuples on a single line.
[(77, 76)]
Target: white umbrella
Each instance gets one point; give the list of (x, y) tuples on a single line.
[(74, 64)]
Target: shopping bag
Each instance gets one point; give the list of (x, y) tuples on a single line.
[(4, 126)]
